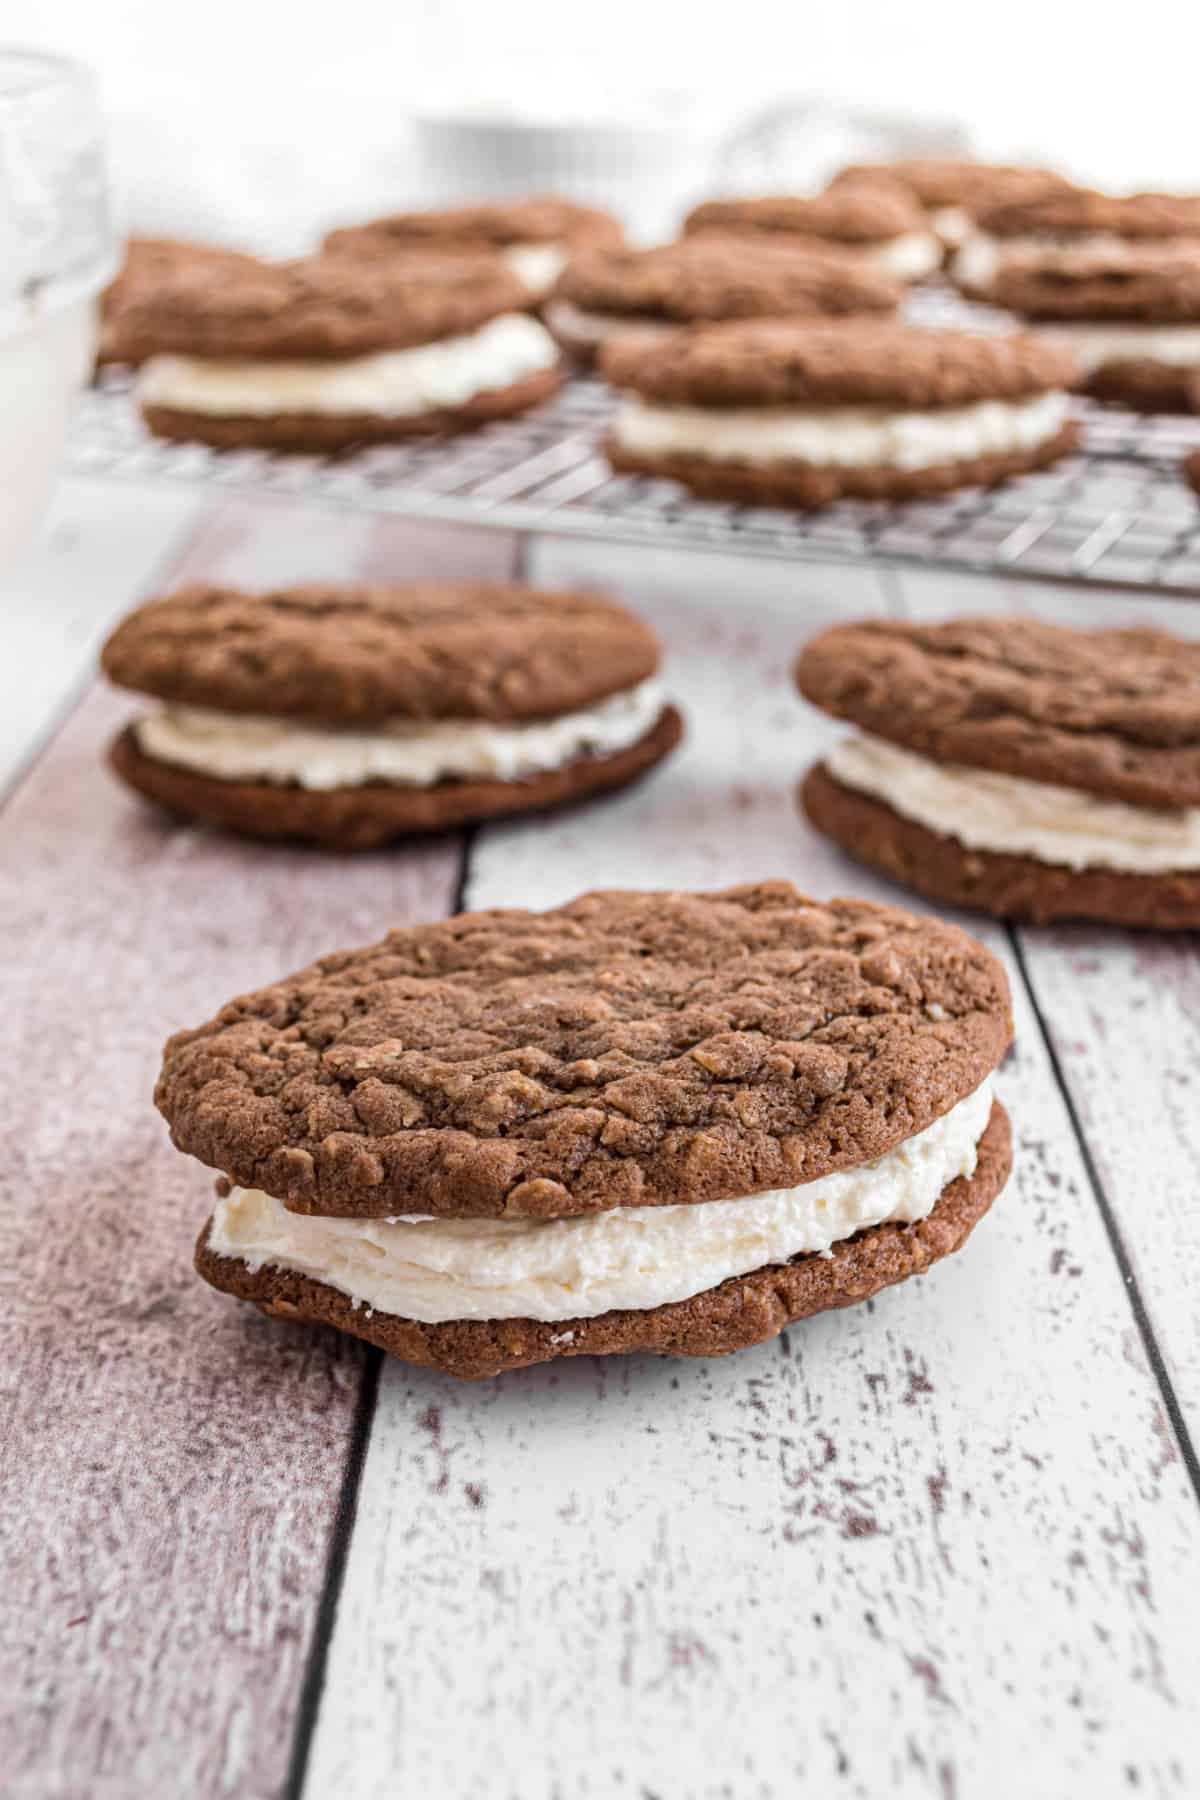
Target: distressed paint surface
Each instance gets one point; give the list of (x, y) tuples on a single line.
[(172, 1463), (930, 1547)]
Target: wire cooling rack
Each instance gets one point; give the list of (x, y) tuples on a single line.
[(1118, 514)]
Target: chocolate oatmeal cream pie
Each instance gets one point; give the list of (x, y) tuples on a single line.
[(951, 190), (642, 1121), (799, 412), (605, 293), (351, 715), (535, 237), (1029, 770), (877, 220), (328, 352)]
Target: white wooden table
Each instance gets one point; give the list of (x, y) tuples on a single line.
[(945, 1545)]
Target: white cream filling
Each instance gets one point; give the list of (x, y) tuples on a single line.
[(1009, 814), (578, 325), (538, 266), (440, 1269), (1093, 346), (909, 257), (388, 383), (841, 436), (409, 753)]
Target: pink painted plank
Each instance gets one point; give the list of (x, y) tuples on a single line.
[(172, 1463)]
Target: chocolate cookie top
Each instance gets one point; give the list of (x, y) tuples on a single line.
[(148, 262), (937, 182), (854, 214), (494, 225), (1154, 282), (783, 362), (1115, 713), (1073, 211), (719, 278), (317, 306), (628, 1049), (352, 654)]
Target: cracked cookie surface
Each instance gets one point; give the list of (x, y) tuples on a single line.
[(628, 1049), (852, 362), (351, 653), (1114, 713)]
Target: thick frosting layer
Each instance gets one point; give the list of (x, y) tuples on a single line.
[(411, 753), (841, 436), (435, 1270), (388, 384), (1093, 346), (537, 265), (909, 257), (1006, 813)]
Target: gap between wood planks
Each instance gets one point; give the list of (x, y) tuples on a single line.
[(313, 1686)]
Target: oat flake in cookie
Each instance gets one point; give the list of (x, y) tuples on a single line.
[(327, 352), (802, 413), (534, 236), (1025, 769), (671, 1122), (352, 715)]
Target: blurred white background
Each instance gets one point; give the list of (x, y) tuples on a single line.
[(252, 120)]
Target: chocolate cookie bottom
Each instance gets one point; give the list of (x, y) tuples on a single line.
[(1008, 887), (327, 433), (741, 1311), (362, 818), (812, 485)]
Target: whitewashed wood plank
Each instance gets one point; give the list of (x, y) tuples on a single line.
[(1123, 1012), (172, 1464), (100, 546), (941, 1545)]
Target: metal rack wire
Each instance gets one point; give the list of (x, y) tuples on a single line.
[(1118, 514)]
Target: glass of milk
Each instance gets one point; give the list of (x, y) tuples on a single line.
[(56, 252)]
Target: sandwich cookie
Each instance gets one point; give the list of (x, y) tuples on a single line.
[(535, 236), (950, 191), (1053, 230), (802, 413), (148, 262), (327, 352), (877, 220), (348, 716), (604, 293), (1130, 318), (1025, 769), (642, 1121)]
